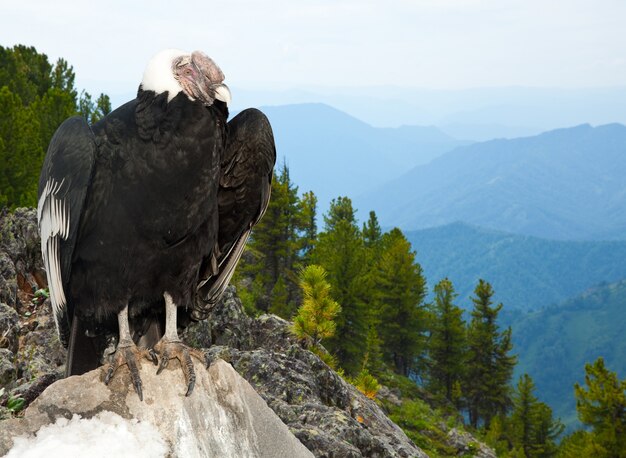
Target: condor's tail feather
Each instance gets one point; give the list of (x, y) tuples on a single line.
[(83, 353)]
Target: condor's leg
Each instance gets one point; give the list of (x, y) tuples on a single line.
[(127, 353), (170, 346)]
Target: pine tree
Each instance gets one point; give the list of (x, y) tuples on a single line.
[(602, 406), (399, 291), (340, 251), (373, 361), (273, 251), (547, 432), (35, 98), (316, 315), (533, 429), (372, 234), (25, 72), (489, 367), (447, 343), (523, 416), (22, 151), (307, 225)]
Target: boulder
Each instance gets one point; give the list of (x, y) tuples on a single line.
[(330, 416), (224, 416)]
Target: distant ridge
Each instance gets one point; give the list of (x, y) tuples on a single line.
[(526, 272), (555, 344), (563, 184), (335, 154)]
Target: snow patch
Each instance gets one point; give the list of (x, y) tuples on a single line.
[(105, 435)]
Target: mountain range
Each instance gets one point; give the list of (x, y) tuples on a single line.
[(477, 114), (527, 273), (563, 184), (554, 344), (335, 154)]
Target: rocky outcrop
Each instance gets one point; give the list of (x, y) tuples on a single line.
[(466, 445), (329, 416), (31, 356), (224, 416)]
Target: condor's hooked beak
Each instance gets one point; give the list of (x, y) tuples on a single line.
[(202, 79)]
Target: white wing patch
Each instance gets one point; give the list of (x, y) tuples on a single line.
[(54, 225)]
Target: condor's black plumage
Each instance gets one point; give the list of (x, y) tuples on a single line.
[(144, 215)]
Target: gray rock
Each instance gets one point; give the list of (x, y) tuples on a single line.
[(466, 444), (7, 367), (329, 416), (8, 280), (9, 328), (19, 238), (224, 416)]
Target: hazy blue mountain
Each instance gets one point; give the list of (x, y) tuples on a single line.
[(554, 344), (476, 114), (333, 153), (492, 112), (564, 184), (525, 272), (487, 131)]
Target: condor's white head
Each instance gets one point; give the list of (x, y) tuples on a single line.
[(195, 74)]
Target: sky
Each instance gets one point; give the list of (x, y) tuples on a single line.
[(442, 44)]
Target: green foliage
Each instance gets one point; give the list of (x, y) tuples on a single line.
[(421, 425), (316, 315), (373, 358), (554, 344), (307, 224), (21, 151), (277, 247), (528, 273), (372, 234), (35, 97), (366, 383), (533, 429), (602, 406), (490, 367), (93, 111), (447, 345), (25, 72), (400, 289), (580, 444), (341, 252), (14, 404)]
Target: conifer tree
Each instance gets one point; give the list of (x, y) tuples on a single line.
[(533, 429), (35, 97), (400, 289), (372, 234), (602, 406), (447, 343), (489, 366), (307, 224), (316, 316), (272, 252), (547, 431), (373, 361), (341, 252)]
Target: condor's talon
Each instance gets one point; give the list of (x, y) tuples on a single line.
[(175, 349), (165, 360), (127, 353), (152, 356)]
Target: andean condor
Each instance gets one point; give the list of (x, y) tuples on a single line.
[(144, 215)]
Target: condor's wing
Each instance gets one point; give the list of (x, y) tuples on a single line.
[(65, 177), (244, 193)]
